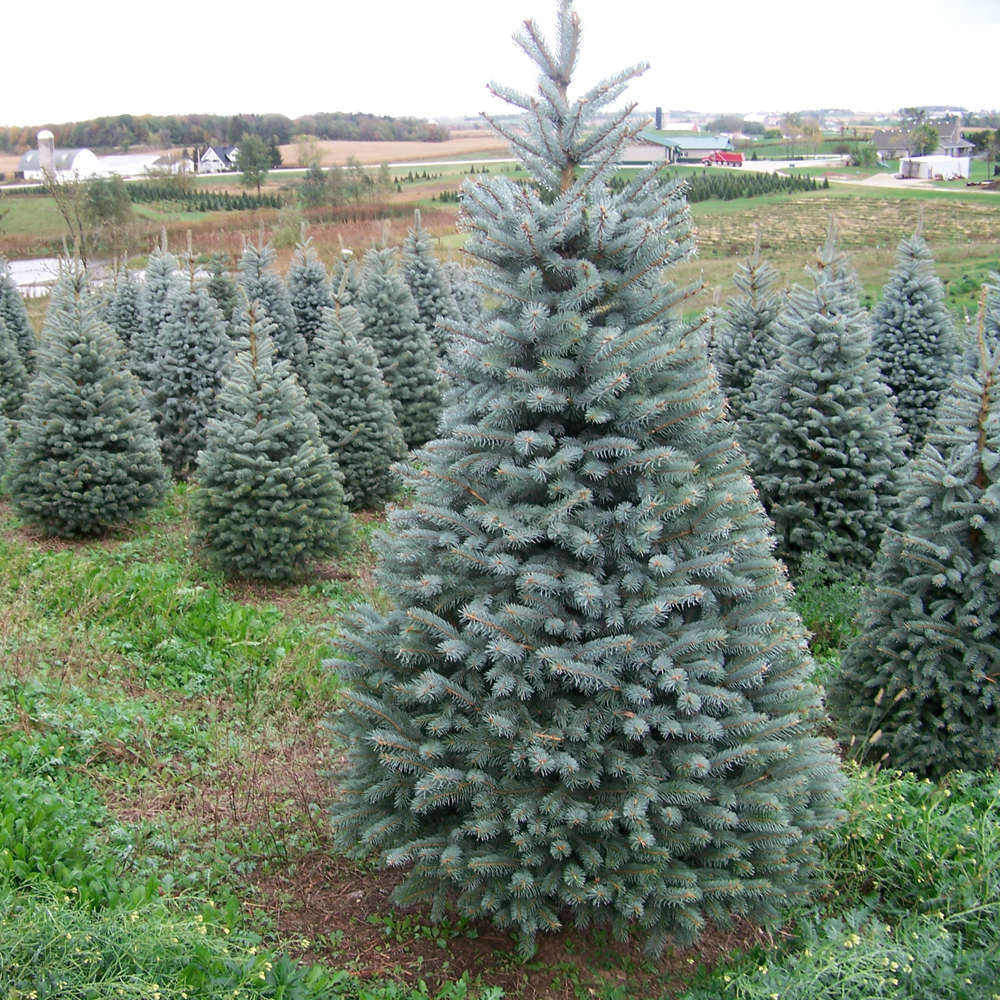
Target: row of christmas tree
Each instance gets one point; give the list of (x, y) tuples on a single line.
[(875, 438), (347, 369)]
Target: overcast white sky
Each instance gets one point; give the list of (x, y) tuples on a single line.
[(433, 57)]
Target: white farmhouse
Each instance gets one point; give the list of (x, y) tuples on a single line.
[(216, 159)]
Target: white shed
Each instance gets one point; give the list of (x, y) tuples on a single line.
[(931, 168)]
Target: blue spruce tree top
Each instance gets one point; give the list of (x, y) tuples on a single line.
[(589, 692)]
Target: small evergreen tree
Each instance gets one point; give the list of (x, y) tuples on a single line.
[(15, 314), (270, 501), (124, 313), (162, 281), (404, 349), (354, 409), (187, 375), (309, 286), (261, 282), (86, 457), (589, 692), (222, 287), (745, 343), (918, 685), (914, 338), (823, 439), (13, 377), (346, 276), (4, 446), (464, 292), (428, 284)]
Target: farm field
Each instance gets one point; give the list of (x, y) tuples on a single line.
[(337, 152)]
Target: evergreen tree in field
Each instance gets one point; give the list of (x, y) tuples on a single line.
[(188, 374), (914, 338), (162, 282), (222, 287), (746, 342), (124, 314), (309, 286), (428, 284), (404, 349), (13, 377), (14, 313), (346, 276), (918, 685), (465, 294), (270, 501), (86, 457), (589, 692), (824, 442), (4, 446), (261, 282), (354, 409)]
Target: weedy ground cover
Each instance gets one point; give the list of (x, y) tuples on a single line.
[(163, 823)]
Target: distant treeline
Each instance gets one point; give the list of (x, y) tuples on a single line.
[(125, 131)]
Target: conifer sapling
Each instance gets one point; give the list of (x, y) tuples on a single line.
[(589, 693), (309, 287), (824, 442), (269, 502), (428, 284), (354, 409), (188, 373), (918, 686), (124, 314), (15, 314), (222, 287), (162, 281), (404, 349), (914, 338), (745, 343), (86, 456), (13, 377), (260, 280)]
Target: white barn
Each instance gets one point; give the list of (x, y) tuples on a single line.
[(70, 164)]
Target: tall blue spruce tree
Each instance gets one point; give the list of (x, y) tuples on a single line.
[(824, 442), (260, 280), (918, 686), (14, 313), (914, 338), (589, 692), (309, 287)]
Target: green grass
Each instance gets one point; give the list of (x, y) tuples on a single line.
[(35, 214)]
